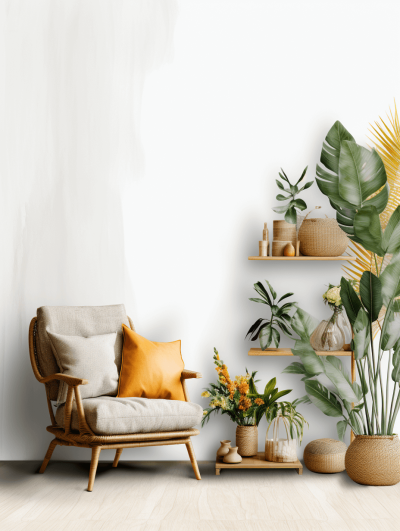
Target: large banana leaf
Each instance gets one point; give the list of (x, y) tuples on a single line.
[(361, 173), (386, 140), (361, 330), (304, 324), (353, 177), (350, 300), (336, 375), (390, 330), (367, 228), (311, 361), (396, 364), (323, 399), (371, 294), (390, 280), (341, 427)]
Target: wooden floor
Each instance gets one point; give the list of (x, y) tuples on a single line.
[(165, 497)]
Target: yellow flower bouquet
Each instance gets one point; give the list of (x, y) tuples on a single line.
[(239, 398)]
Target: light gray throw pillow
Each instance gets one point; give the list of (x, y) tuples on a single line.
[(91, 358)]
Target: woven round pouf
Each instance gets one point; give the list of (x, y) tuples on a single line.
[(325, 456), (374, 460)]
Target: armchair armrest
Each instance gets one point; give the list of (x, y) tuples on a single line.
[(70, 380), (186, 374)]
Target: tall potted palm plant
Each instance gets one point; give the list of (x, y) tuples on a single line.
[(354, 179)]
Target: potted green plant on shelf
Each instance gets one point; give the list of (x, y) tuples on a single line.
[(355, 182), (239, 400), (293, 205), (266, 329), (278, 413)]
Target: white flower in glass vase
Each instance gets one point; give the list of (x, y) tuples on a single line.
[(335, 333)]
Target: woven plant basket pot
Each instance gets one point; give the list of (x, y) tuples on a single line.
[(322, 237), (247, 440), (325, 456), (283, 231), (374, 460)]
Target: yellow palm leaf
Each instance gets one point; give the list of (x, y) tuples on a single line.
[(386, 140)]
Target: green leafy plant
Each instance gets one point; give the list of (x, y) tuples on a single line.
[(266, 329), (290, 209), (239, 398), (376, 401), (287, 410), (354, 179), (334, 403)]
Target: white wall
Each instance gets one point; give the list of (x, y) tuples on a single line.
[(142, 142)]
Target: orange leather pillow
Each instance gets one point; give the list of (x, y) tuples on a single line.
[(150, 369)]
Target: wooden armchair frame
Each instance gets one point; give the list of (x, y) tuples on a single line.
[(84, 437)]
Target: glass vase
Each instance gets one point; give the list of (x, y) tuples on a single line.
[(328, 335), (345, 326), (280, 449)]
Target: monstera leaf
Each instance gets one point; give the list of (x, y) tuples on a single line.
[(352, 174), (361, 174)]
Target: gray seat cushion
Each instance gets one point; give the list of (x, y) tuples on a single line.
[(108, 415)]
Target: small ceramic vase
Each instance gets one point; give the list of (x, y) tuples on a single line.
[(289, 250), (223, 450), (232, 457)]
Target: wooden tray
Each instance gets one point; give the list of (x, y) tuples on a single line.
[(257, 461)]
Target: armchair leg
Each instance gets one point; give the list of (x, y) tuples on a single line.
[(189, 447), (117, 456), (93, 466), (48, 455)]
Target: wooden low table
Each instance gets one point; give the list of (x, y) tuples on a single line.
[(257, 461)]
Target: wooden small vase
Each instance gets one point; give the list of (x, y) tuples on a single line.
[(223, 450), (289, 250), (232, 457)]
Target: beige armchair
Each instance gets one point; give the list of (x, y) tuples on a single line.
[(77, 423)]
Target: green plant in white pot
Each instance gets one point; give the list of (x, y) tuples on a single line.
[(357, 188)]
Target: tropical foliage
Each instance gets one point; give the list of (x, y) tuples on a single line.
[(291, 208), (294, 421), (239, 398), (267, 329), (354, 179), (386, 140)]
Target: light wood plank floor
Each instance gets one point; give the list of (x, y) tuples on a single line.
[(164, 496)]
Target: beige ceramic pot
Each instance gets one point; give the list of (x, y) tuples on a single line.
[(247, 440), (232, 457), (374, 460), (224, 448)]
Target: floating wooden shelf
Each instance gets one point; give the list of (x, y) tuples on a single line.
[(257, 461), (288, 352), (303, 258)]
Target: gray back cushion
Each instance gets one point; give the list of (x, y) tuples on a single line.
[(84, 321)]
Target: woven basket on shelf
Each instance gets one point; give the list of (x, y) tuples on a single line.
[(284, 231), (322, 237), (247, 440), (325, 456), (374, 460)]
